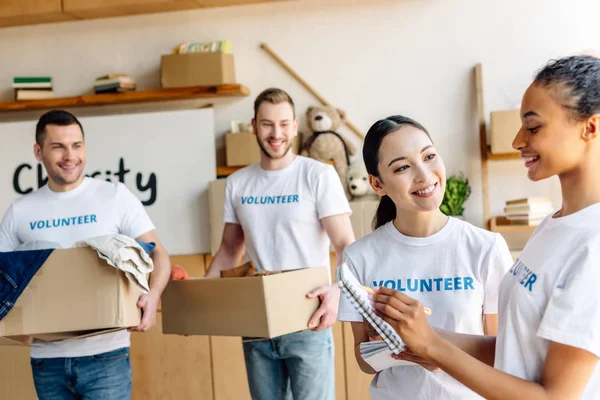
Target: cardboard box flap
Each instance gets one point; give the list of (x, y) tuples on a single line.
[(16, 341), (288, 308)]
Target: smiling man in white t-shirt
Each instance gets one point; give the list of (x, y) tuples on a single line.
[(285, 212), (79, 208)]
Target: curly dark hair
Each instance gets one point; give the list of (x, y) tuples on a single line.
[(575, 83)]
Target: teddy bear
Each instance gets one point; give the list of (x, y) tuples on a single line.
[(358, 182), (325, 144)]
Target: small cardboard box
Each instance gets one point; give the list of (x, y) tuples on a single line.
[(197, 69), (261, 306), (241, 148), (74, 294), (504, 126)]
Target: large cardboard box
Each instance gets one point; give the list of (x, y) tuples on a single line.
[(74, 294), (197, 69), (241, 149), (261, 306), (504, 126)]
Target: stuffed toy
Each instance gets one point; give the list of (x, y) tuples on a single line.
[(358, 181), (325, 144)]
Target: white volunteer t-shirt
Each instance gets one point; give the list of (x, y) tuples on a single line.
[(456, 272), (551, 294), (94, 208), (280, 212)]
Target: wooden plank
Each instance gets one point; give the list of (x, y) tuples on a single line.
[(228, 3), (503, 156), (24, 12), (90, 9), (483, 146), (357, 382), (16, 381), (170, 367), (143, 96), (338, 343)]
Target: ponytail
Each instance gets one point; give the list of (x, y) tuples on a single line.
[(386, 212)]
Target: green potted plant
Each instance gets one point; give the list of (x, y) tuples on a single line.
[(457, 192)]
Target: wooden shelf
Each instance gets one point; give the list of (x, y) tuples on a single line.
[(502, 225), (226, 171), (503, 156), (143, 96)]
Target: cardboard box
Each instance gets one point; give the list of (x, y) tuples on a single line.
[(74, 294), (196, 69), (504, 126), (216, 205), (262, 306), (241, 148), (363, 211)]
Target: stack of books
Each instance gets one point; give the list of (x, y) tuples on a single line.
[(528, 211), (32, 87), (223, 46), (114, 83)]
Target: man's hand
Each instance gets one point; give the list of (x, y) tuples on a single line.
[(149, 304), (326, 315)]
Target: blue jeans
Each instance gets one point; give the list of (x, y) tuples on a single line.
[(298, 366), (17, 268), (105, 376)]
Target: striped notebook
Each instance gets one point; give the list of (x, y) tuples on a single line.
[(351, 288)]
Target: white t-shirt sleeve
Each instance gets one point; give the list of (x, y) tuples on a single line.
[(330, 196), (572, 315), (346, 311), (229, 215), (497, 264), (134, 220), (8, 232)]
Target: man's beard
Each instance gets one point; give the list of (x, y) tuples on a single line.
[(266, 153)]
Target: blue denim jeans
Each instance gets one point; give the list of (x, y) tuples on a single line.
[(297, 366), (17, 268), (105, 376)]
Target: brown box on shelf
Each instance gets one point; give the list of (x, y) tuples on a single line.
[(241, 149), (74, 294), (504, 126), (259, 306), (197, 69)]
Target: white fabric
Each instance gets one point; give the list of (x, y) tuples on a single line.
[(455, 272), (280, 212), (124, 253), (94, 208), (551, 294)]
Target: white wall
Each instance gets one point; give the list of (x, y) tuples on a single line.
[(371, 57)]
